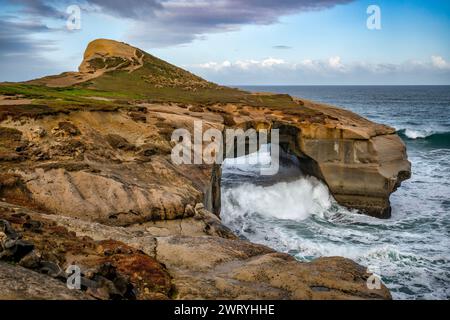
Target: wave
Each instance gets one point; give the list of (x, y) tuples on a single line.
[(433, 138), (295, 200)]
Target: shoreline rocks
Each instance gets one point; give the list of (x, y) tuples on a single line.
[(90, 181), (144, 266)]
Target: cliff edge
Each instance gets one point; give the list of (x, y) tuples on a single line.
[(88, 153)]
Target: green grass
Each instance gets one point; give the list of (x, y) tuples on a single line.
[(132, 84), (159, 81), (51, 101), (69, 93), (155, 81)]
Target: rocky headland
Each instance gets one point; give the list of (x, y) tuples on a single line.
[(86, 179)]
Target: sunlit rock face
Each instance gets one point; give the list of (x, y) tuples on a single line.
[(94, 156), (106, 55)]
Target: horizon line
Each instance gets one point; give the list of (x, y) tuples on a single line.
[(336, 85)]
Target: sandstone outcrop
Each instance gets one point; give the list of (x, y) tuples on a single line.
[(110, 269), (140, 264), (93, 157)]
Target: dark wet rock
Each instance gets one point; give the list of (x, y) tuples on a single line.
[(12, 247), (14, 250), (31, 261), (50, 268), (109, 269), (7, 230), (32, 225), (108, 283)]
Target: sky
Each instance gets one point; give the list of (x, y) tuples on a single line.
[(239, 42)]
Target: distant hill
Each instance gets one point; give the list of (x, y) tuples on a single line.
[(116, 70)]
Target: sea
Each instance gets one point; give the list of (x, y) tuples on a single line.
[(296, 214)]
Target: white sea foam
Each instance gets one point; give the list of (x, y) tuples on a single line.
[(422, 133), (300, 217), (418, 134), (412, 249), (295, 200)]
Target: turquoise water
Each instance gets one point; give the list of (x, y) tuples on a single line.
[(411, 251)]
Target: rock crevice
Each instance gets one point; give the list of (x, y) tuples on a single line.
[(362, 166)]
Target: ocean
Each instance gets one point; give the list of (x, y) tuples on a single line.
[(296, 214)]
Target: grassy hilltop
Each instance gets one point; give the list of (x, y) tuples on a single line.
[(114, 74)]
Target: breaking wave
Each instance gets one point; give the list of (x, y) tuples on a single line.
[(295, 200), (433, 138), (297, 214), (412, 249)]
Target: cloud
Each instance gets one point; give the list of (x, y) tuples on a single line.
[(335, 63), (169, 22), (24, 38), (440, 63), (20, 57), (281, 47), (39, 8), (22, 28), (309, 71), (160, 23), (134, 9), (213, 13), (332, 64), (242, 64), (15, 37)]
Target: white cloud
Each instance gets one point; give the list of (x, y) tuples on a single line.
[(335, 63), (272, 62), (440, 63), (331, 70), (242, 64), (214, 65)]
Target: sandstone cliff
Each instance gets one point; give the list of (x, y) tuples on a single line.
[(92, 157)]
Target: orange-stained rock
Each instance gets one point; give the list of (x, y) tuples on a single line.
[(110, 269), (106, 195), (75, 162), (197, 266)]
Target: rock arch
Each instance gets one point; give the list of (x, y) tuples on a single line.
[(361, 170)]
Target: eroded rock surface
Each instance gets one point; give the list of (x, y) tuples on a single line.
[(18, 283), (110, 269), (77, 160), (139, 264), (94, 179), (88, 158)]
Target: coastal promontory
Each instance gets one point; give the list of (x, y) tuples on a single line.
[(86, 179)]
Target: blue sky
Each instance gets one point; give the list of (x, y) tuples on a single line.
[(235, 42)]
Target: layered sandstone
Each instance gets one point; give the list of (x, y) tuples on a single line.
[(101, 168), (197, 263)]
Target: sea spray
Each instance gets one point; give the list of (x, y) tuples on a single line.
[(296, 214), (429, 138), (411, 250), (295, 200)]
